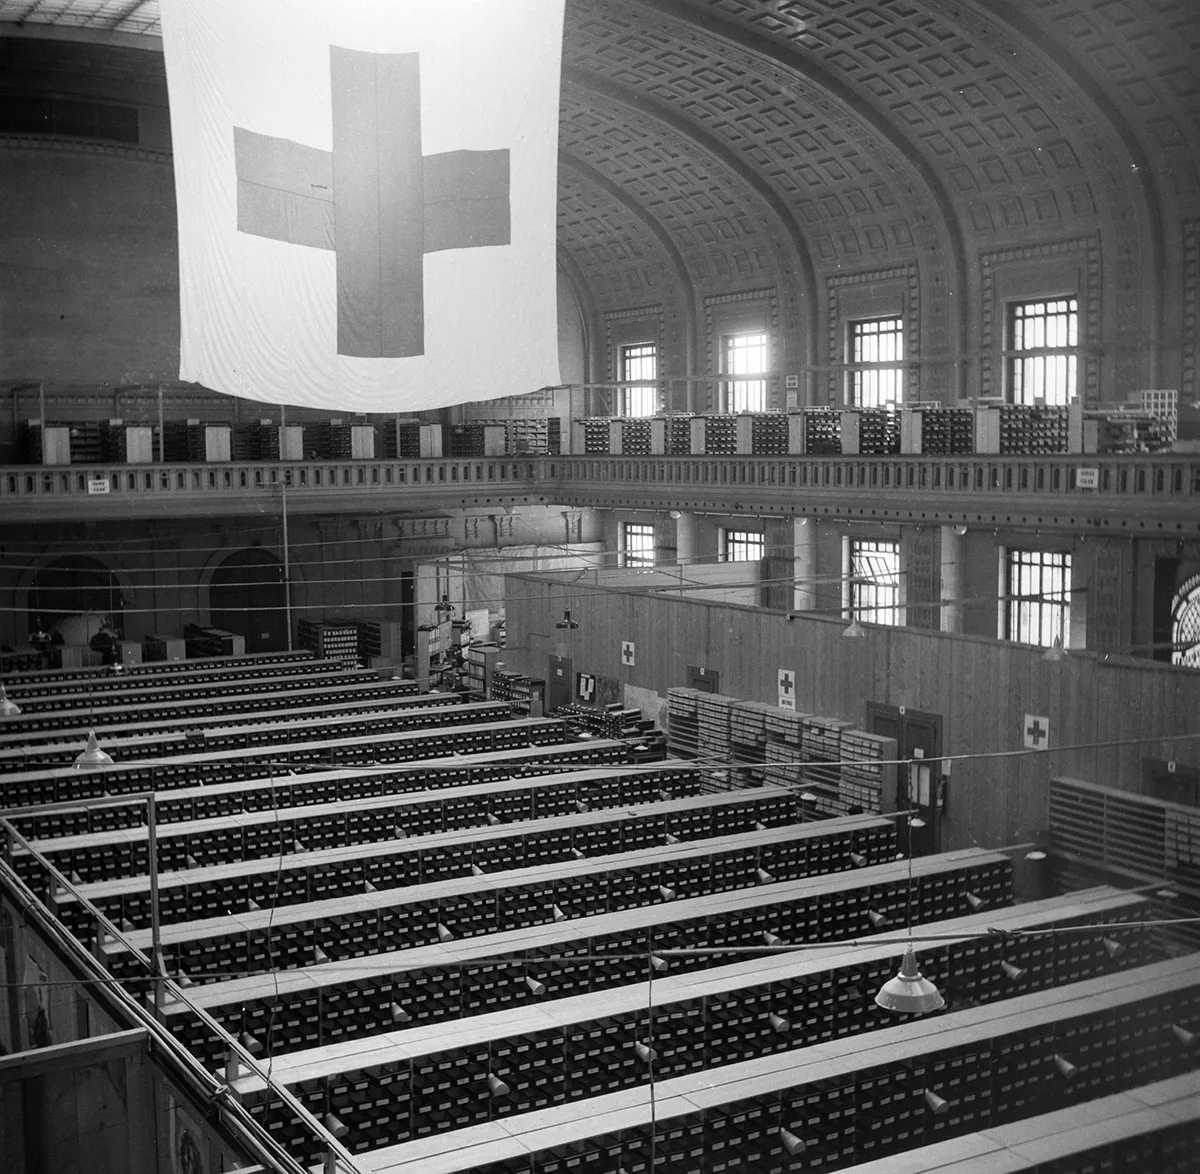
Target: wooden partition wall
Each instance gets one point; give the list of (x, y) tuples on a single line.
[(1103, 717)]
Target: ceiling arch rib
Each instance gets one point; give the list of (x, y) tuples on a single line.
[(861, 195), (586, 306), (1137, 162), (791, 250), (685, 298)]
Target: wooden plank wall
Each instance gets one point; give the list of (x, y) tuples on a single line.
[(981, 688)]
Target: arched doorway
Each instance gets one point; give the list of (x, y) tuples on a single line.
[(73, 599), (246, 597)]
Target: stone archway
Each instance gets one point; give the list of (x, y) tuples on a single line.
[(74, 597), (246, 597)]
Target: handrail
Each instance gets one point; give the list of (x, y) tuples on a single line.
[(210, 1088), (1166, 484)]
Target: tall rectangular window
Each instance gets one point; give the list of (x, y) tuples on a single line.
[(1043, 341), (741, 546), (745, 354), (1038, 596), (876, 354), (637, 544), (873, 571), (640, 361)]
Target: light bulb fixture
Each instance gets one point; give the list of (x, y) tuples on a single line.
[(336, 1127), (1068, 1070), (858, 860), (557, 914), (566, 623), (398, 1014), (497, 1087), (1056, 652), (671, 838), (778, 1022), (938, 1106), (1185, 1037), (1011, 971), (909, 993), (976, 902), (476, 870), (657, 963), (1112, 947), (676, 515), (319, 956), (960, 530), (791, 1142), (398, 833), (772, 939), (92, 757), (8, 708), (444, 607), (666, 893), (535, 987), (763, 876), (443, 933), (854, 629), (250, 1043), (369, 888), (645, 1053), (877, 919)]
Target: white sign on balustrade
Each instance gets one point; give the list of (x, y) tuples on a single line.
[(97, 485)]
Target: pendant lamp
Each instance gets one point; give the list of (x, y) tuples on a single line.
[(92, 757), (909, 993)]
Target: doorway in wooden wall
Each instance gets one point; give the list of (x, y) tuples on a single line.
[(918, 738), (560, 682), (703, 680)]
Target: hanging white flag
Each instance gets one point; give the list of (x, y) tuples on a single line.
[(366, 194)]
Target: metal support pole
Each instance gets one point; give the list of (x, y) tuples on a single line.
[(155, 932), (162, 438), (287, 571)]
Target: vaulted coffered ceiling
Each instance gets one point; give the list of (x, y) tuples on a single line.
[(710, 145)]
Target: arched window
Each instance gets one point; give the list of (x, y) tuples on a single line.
[(1185, 625)]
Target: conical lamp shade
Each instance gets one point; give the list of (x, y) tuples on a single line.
[(909, 993), (8, 708), (92, 756), (854, 630)]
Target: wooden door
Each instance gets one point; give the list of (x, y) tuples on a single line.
[(919, 745)]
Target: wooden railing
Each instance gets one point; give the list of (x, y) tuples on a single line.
[(1159, 492)]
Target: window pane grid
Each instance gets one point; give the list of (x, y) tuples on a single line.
[(746, 354), (880, 340), (638, 544), (1039, 590), (875, 581), (640, 361), (1043, 337), (742, 546)]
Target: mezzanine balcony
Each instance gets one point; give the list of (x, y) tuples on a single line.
[(1156, 493)]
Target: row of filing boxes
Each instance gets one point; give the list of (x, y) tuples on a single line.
[(315, 787), (447, 980), (311, 876), (374, 921), (1154, 1127), (26, 788), (207, 693), (249, 836), (855, 1099), (129, 744), (52, 682), (696, 1021), (130, 721)]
